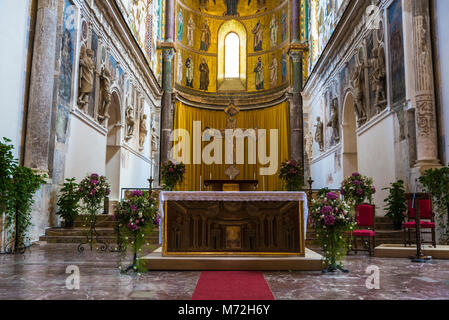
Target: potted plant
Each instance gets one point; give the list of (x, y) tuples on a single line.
[(436, 182), (136, 217), (17, 187), (68, 202), (290, 174), (357, 189), (172, 174), (7, 167), (395, 204), (331, 220)]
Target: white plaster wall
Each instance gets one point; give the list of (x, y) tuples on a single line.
[(325, 173), (14, 23), (87, 150), (134, 171), (376, 158), (442, 53)]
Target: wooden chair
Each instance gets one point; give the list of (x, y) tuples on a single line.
[(365, 214), (427, 220)]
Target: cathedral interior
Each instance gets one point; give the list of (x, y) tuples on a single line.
[(111, 87)]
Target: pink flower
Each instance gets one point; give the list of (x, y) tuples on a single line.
[(94, 182), (170, 170), (359, 192), (326, 209), (356, 174), (133, 207), (93, 192), (94, 176), (136, 193), (356, 182), (329, 220), (374, 189), (331, 196)]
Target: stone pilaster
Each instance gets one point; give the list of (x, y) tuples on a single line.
[(38, 130), (296, 109), (426, 125)]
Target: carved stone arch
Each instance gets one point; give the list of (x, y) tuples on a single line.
[(113, 145), (349, 141)]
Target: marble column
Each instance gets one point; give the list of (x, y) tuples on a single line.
[(41, 87), (167, 80), (167, 104), (425, 107), (296, 34), (296, 110)]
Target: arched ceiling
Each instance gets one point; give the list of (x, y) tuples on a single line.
[(220, 7)]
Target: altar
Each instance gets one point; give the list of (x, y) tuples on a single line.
[(233, 223)]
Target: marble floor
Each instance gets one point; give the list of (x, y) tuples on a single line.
[(41, 274)]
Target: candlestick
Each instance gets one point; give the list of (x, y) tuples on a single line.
[(201, 183), (210, 176), (264, 183)]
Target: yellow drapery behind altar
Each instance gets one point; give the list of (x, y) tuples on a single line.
[(276, 117)]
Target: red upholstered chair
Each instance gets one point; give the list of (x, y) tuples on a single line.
[(427, 219), (365, 230)]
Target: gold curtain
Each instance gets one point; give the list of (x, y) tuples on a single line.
[(270, 118)]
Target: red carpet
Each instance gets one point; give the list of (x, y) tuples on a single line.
[(232, 285)]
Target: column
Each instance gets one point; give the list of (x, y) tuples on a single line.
[(166, 104), (296, 34), (41, 88), (425, 108), (167, 80), (296, 109)]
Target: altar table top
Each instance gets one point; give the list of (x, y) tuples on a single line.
[(238, 196)]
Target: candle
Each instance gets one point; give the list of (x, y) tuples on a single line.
[(264, 183), (201, 183), (210, 176)]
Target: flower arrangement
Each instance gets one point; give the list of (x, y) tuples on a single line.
[(290, 174), (172, 174), (332, 220), (92, 190), (357, 189), (136, 217)]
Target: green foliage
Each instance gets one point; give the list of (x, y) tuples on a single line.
[(436, 182), (24, 185), (172, 174), (136, 218), (395, 204), (68, 202), (17, 186), (7, 167), (290, 174)]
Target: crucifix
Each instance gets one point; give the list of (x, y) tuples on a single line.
[(232, 111)]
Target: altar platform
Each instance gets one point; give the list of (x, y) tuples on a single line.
[(312, 261), (399, 251), (244, 231)]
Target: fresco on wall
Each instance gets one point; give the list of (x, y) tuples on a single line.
[(144, 18), (67, 54), (396, 39), (324, 17), (265, 33)]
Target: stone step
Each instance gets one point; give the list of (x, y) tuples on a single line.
[(79, 239)]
